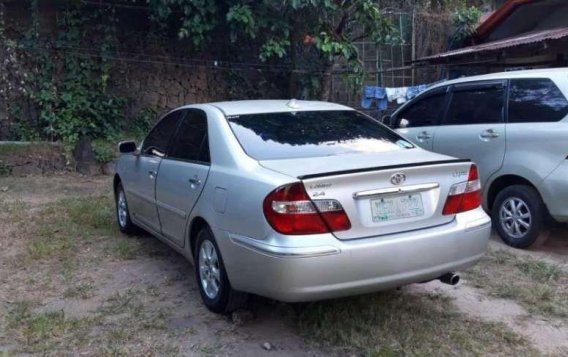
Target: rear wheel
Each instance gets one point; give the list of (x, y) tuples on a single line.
[(122, 212), (211, 276), (518, 215)]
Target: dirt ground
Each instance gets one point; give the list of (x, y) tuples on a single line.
[(72, 284)]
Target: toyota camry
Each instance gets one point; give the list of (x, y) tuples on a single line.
[(299, 201)]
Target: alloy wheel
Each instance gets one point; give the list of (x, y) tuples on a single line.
[(515, 217), (122, 209), (209, 272)]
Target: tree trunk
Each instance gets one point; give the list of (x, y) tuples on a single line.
[(326, 84), (293, 38)]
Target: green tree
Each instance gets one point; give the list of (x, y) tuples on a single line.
[(284, 28)]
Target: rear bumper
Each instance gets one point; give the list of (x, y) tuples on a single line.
[(554, 189), (337, 268)]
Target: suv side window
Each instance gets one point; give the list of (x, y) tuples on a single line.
[(424, 112), (156, 143), (191, 142), (481, 104), (535, 100)]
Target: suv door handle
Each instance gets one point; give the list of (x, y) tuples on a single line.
[(152, 174), (424, 136), (489, 134)]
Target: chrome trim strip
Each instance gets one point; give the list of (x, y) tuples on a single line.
[(283, 252), (396, 190)]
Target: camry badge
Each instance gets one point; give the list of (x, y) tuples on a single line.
[(398, 178)]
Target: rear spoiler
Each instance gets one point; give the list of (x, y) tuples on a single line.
[(391, 167)]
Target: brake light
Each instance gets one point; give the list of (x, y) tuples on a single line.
[(464, 196), (289, 210)]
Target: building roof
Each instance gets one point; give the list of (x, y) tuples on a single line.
[(523, 39), (498, 16)]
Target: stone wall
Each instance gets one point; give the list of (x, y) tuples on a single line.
[(166, 86), (21, 159), (151, 73)]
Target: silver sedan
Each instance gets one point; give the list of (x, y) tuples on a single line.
[(299, 201)]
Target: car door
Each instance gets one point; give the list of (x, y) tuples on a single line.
[(182, 176), (418, 120), (142, 189), (473, 127)]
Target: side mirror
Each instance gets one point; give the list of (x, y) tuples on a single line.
[(127, 147)]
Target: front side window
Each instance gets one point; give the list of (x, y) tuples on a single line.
[(191, 142), (536, 100), (425, 112), (156, 143), (301, 134), (477, 105)]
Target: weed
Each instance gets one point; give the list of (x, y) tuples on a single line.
[(536, 285), (122, 302), (123, 248), (81, 290), (45, 331), (393, 323)]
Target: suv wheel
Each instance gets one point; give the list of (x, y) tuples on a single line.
[(518, 215), (211, 276)]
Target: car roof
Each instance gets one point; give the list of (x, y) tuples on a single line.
[(531, 73), (274, 106)]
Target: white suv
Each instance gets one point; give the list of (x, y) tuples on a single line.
[(514, 125)]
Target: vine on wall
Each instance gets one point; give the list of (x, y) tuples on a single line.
[(69, 92)]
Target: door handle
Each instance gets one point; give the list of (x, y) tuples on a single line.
[(423, 136), (489, 134), (152, 174), (194, 182)]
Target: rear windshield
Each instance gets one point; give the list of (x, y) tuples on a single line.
[(312, 134)]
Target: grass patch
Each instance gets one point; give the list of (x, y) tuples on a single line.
[(15, 210), (540, 287), (47, 331), (80, 291), (122, 248), (399, 323), (59, 228)]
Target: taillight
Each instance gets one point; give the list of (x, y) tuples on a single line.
[(289, 210), (464, 196)]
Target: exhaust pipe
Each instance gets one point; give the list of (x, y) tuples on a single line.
[(450, 278)]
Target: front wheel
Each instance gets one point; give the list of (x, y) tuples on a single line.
[(518, 215), (211, 276), (123, 213)]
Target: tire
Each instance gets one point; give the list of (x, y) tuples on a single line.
[(518, 215), (123, 219), (211, 276)]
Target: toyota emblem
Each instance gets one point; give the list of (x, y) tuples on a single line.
[(398, 178)]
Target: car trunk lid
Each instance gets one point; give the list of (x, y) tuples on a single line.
[(381, 195)]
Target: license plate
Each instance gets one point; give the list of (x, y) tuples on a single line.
[(396, 207)]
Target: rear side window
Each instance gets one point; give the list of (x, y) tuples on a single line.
[(190, 143), (156, 143), (424, 112), (312, 134), (476, 105), (536, 100)]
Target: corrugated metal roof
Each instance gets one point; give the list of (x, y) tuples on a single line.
[(528, 38), (499, 16)]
